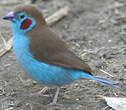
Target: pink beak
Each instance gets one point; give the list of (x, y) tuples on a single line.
[(10, 16)]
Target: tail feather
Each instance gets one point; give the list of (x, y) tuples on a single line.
[(82, 75), (107, 82), (101, 80)]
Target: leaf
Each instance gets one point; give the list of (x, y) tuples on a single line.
[(116, 103)]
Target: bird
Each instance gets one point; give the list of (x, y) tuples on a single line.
[(43, 55)]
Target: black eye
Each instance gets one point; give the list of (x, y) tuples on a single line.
[(22, 16)]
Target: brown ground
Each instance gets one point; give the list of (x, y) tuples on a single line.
[(89, 28)]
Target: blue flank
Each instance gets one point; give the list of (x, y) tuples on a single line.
[(46, 74)]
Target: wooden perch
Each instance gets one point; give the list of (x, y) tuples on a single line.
[(50, 21)]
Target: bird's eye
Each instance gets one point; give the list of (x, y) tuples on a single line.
[(22, 16)]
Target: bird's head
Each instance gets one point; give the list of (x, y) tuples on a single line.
[(24, 18)]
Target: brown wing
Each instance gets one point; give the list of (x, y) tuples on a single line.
[(46, 46)]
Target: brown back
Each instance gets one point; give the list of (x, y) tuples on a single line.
[(46, 46)]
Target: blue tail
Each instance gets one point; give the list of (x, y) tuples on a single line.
[(106, 82), (82, 75)]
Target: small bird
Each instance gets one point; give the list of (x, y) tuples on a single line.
[(42, 54)]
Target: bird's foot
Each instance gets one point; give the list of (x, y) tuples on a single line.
[(54, 103)]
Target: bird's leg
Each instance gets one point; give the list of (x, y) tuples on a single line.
[(40, 92), (55, 97)]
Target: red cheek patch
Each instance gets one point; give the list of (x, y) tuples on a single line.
[(25, 24)]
